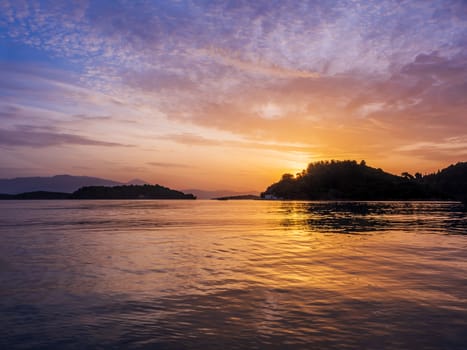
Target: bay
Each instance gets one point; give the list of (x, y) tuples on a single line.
[(232, 274)]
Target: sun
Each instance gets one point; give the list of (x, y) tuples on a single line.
[(295, 167)]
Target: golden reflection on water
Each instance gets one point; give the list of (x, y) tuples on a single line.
[(269, 245), (293, 270)]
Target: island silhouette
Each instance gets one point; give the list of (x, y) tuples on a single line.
[(323, 180), (107, 192), (350, 180)]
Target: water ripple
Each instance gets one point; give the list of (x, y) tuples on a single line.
[(236, 275)]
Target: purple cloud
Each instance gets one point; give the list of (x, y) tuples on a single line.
[(27, 137)]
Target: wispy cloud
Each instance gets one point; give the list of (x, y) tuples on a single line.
[(196, 140), (191, 139), (441, 146), (264, 68), (27, 137), (169, 165)]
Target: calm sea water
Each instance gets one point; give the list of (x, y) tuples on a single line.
[(232, 275)]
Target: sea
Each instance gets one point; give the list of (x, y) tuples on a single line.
[(207, 274)]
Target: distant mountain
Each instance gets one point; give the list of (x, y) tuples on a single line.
[(58, 183), (203, 194), (349, 180), (70, 184)]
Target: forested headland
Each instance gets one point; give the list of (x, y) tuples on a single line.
[(352, 180)]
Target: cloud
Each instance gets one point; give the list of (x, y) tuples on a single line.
[(169, 165), (267, 38), (191, 139), (31, 137), (80, 120), (85, 117), (196, 140), (157, 80), (11, 172), (450, 149), (264, 68), (424, 99), (9, 112), (451, 144)]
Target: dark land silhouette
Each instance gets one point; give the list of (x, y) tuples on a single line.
[(325, 180), (349, 180), (129, 192), (70, 183), (451, 181), (104, 192), (215, 194), (37, 195), (239, 197)]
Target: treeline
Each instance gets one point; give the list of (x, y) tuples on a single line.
[(37, 195), (350, 180), (451, 181), (106, 192), (129, 192)]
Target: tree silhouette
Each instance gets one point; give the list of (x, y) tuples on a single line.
[(352, 181)]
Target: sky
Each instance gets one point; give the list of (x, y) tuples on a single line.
[(230, 94)]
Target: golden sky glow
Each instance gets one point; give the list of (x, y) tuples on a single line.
[(230, 95)]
